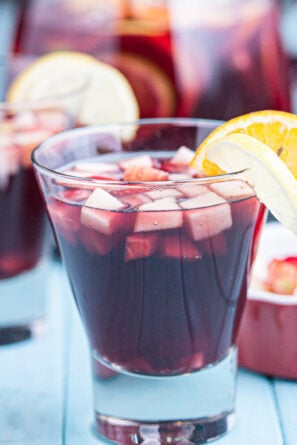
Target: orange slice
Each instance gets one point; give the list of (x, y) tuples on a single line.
[(277, 129)]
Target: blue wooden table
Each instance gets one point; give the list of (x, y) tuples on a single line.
[(45, 387), (45, 383)]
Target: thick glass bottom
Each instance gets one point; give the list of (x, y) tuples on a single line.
[(180, 432), (192, 408)]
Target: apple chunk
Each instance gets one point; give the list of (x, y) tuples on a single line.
[(206, 215), (160, 214)]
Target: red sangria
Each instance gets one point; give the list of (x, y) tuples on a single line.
[(23, 224), (158, 260), (212, 60)]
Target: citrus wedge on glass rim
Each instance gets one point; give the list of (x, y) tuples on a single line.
[(108, 96), (270, 167)]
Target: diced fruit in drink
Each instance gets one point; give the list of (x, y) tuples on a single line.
[(232, 190), (140, 245), (94, 168), (164, 193), (56, 120), (25, 120), (104, 221), (281, 276), (136, 161), (211, 216), (183, 156), (179, 246), (161, 214), (134, 200), (30, 139), (101, 199), (95, 242), (76, 195), (66, 220), (190, 191), (140, 173)]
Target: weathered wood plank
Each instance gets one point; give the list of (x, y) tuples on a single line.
[(32, 378), (286, 394)]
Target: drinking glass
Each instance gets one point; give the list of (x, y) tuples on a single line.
[(23, 224), (158, 271), (214, 59)]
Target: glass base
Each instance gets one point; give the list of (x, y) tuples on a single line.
[(23, 304), (192, 408), (189, 432)]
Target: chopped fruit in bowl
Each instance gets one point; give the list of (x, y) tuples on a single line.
[(269, 322), (281, 277)]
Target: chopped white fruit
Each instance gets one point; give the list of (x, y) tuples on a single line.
[(161, 214), (96, 167), (97, 212), (25, 120), (183, 156), (190, 191), (136, 161), (101, 199), (233, 189), (164, 193), (207, 215), (104, 221)]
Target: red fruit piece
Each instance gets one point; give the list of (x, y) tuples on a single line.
[(140, 245), (139, 173), (76, 195), (281, 277), (95, 242), (179, 246), (66, 220), (158, 215), (211, 216)]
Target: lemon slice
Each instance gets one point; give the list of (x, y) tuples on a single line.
[(277, 129), (273, 182), (108, 95)]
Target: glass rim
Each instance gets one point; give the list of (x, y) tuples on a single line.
[(94, 129)]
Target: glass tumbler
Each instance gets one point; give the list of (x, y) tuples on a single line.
[(158, 270), (23, 224)]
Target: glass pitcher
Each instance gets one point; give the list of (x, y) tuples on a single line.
[(214, 59)]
